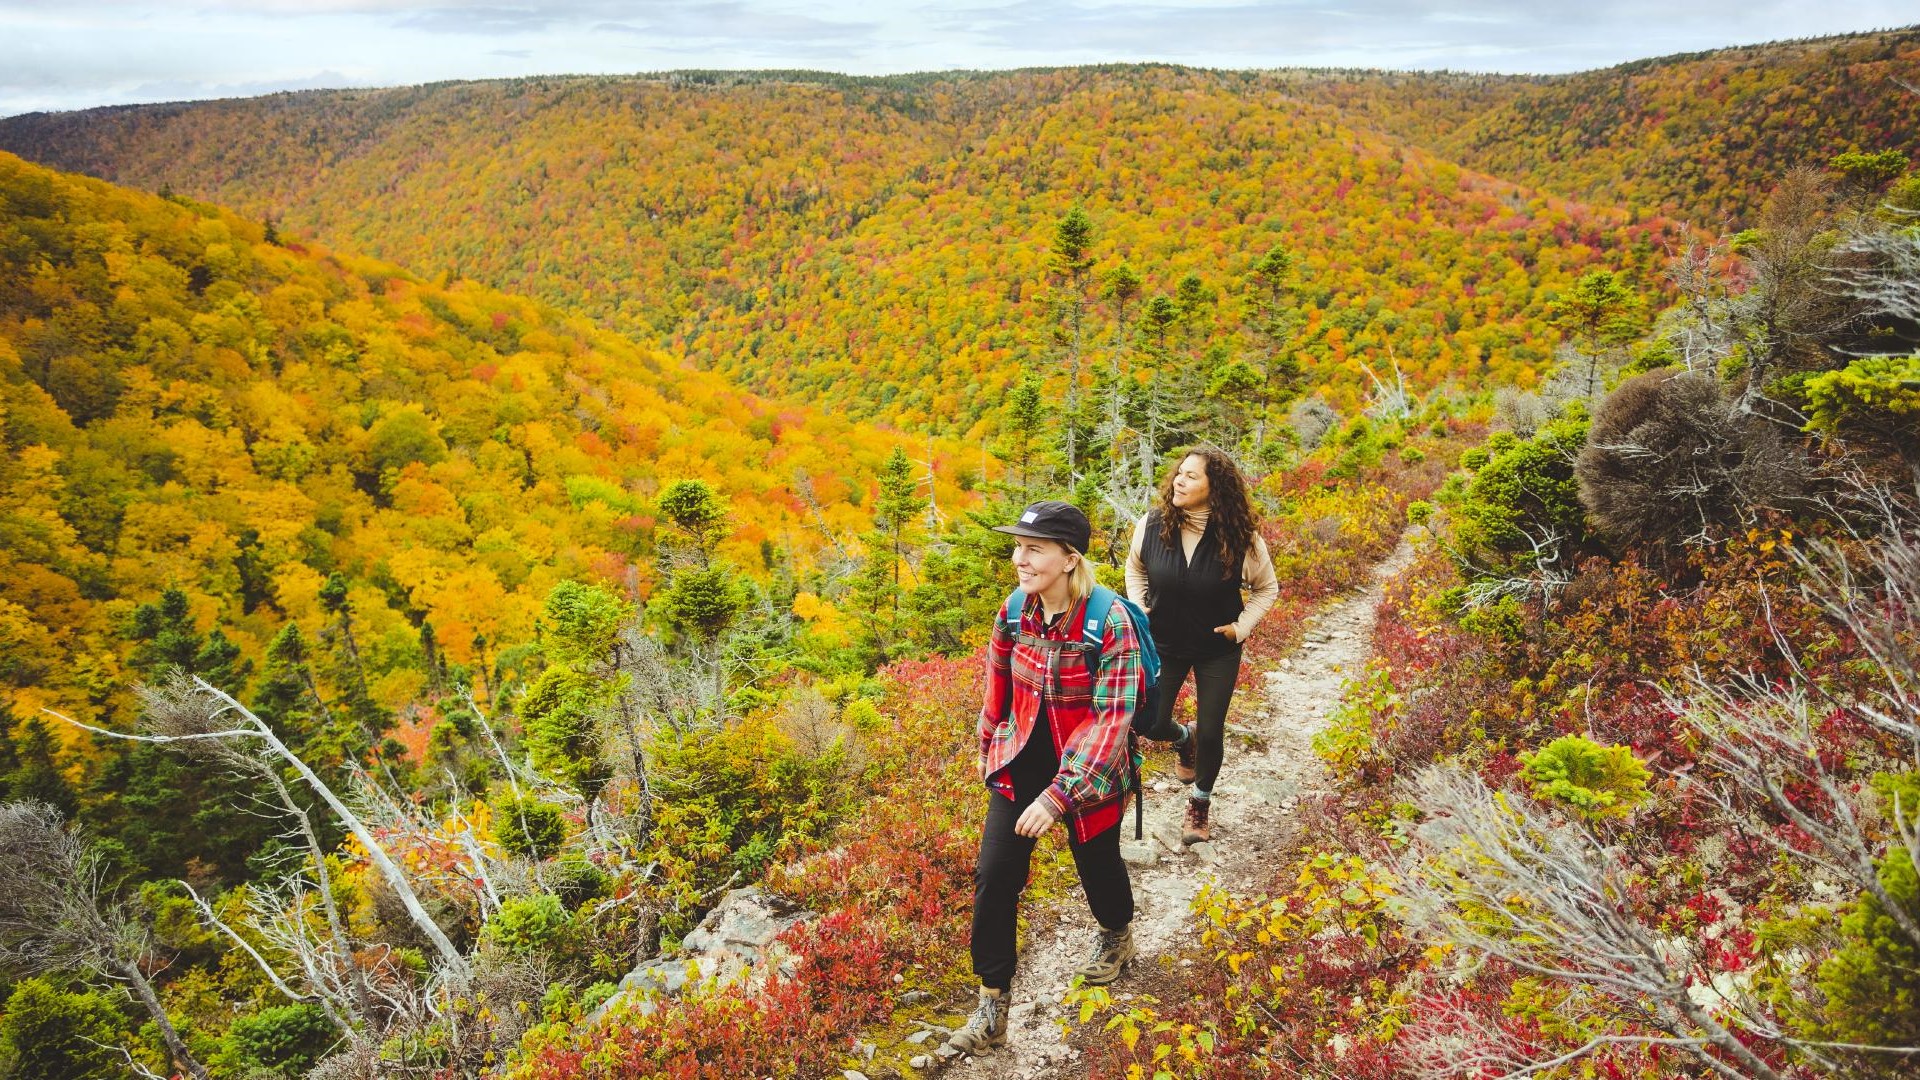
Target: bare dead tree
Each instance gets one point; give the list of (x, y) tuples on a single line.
[(934, 519), (1453, 1038), (471, 1033), (1889, 280), (844, 560), (1386, 402), (1878, 603), (1770, 755), (1771, 745), (264, 773), (1793, 314), (1714, 320), (187, 709), (1501, 876), (1672, 461), (1547, 572), (663, 695), (1765, 751), (58, 914)]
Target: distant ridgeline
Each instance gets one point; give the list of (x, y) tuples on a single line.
[(793, 229), (883, 246)]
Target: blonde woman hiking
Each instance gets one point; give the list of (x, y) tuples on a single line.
[(1064, 672)]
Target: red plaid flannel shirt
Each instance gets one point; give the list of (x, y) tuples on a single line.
[(1090, 715)]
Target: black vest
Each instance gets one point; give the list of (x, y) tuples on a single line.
[(1188, 599)]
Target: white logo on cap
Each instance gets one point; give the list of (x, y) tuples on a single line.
[(1027, 518)]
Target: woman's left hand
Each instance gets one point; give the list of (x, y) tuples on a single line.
[(1231, 633), (1035, 819)]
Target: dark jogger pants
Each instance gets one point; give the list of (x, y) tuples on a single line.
[(1213, 680), (1001, 874)]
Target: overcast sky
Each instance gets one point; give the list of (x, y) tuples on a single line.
[(73, 54)]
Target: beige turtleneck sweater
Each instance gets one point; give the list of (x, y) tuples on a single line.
[(1256, 575)]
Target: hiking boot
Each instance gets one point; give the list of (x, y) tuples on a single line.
[(1195, 830), (1112, 951), (985, 1029), (1183, 765)]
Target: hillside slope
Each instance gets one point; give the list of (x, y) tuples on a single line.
[(185, 404), (1699, 136), (793, 232)]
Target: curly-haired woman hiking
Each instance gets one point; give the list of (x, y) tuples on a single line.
[(1191, 558), (1062, 683)]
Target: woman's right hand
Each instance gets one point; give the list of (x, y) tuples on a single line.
[(1036, 819)]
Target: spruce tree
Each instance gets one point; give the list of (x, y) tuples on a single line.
[(35, 772), (899, 505), (358, 722), (1070, 266)]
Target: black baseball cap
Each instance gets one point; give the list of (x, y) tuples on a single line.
[(1051, 519)]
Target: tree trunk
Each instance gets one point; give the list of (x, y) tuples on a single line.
[(323, 879), (177, 1052), (450, 956)]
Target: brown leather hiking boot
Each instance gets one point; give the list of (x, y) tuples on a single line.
[(1112, 951), (984, 1030), (1195, 829), (1183, 765)]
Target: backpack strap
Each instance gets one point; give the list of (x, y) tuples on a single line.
[(1010, 611), (1099, 609), (1088, 645)]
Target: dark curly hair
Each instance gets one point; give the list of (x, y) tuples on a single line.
[(1227, 502)]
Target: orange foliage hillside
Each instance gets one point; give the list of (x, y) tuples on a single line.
[(797, 231), (186, 404), (1698, 137)]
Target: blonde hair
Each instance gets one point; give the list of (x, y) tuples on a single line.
[(1080, 580)]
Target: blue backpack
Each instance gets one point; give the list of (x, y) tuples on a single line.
[(1099, 606)]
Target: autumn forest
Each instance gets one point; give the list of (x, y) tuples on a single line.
[(455, 537)]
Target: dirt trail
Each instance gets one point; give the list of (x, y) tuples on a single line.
[(1269, 766)]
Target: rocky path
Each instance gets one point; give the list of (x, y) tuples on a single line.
[(1269, 766)]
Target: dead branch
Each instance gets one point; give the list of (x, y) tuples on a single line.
[(58, 915), (1498, 874)]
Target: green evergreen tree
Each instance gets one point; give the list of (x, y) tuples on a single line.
[(164, 635), (1121, 290), (1070, 266), (1023, 411), (565, 710), (34, 771), (700, 605), (697, 514), (288, 697), (165, 638), (1598, 318), (50, 1034), (1274, 322), (1193, 308), (358, 721), (875, 591), (9, 757), (561, 713), (281, 1040), (962, 582), (899, 506), (703, 597), (1864, 174)]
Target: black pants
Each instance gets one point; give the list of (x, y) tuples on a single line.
[(1005, 858), (1213, 679)]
